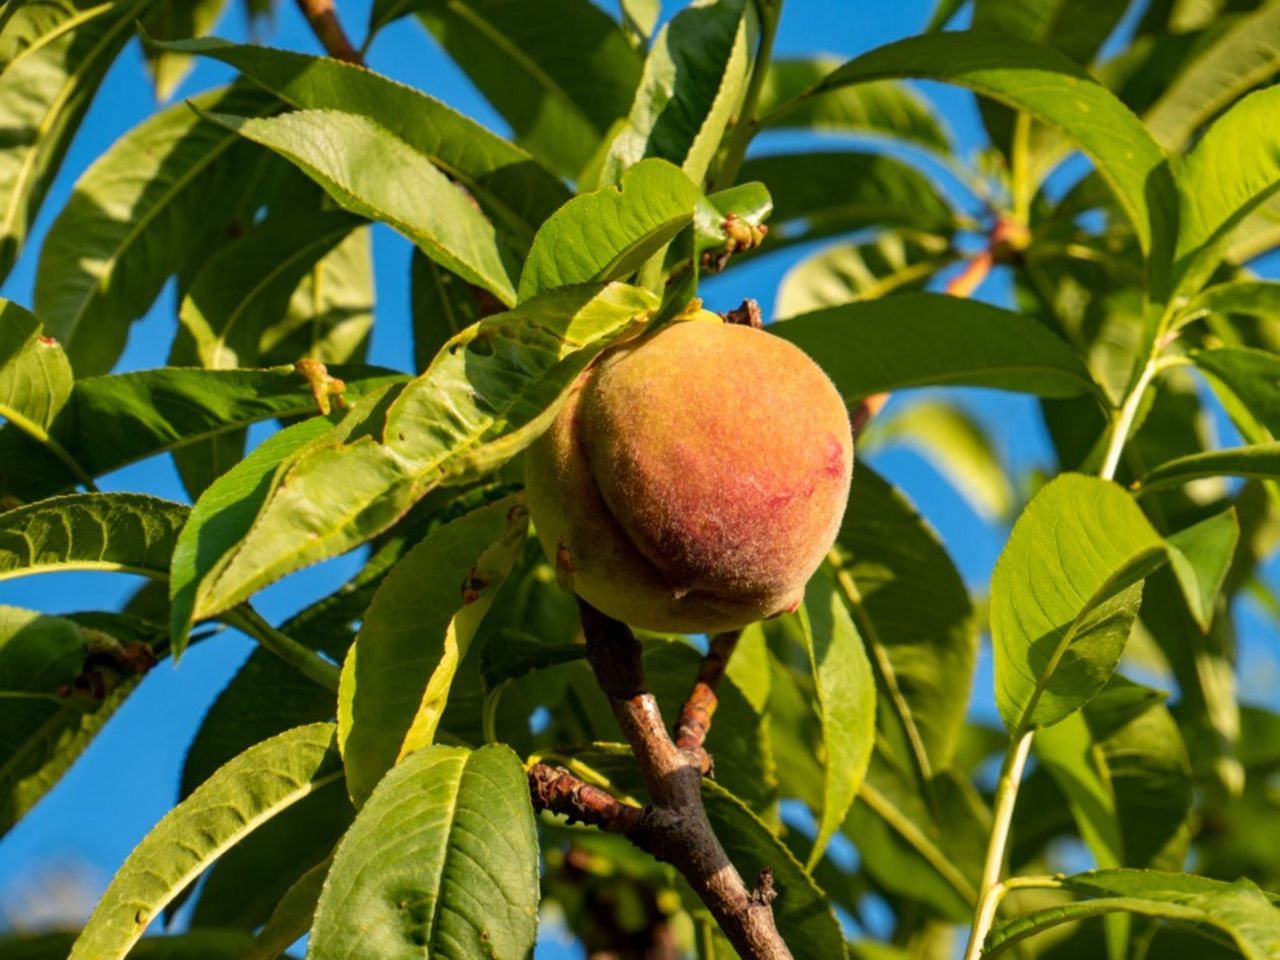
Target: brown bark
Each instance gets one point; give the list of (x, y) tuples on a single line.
[(322, 16), (674, 827)]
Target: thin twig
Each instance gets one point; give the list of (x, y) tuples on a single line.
[(307, 662), (322, 16), (674, 828), (695, 716)]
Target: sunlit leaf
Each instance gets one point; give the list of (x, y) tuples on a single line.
[(693, 81), (1260, 461), (35, 378), (442, 860), (610, 233), (1064, 596), (124, 532), (511, 187), (240, 797), (487, 395), (370, 171), (176, 20), (1199, 557), (397, 675)]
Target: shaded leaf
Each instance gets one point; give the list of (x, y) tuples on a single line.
[(895, 260), (1246, 54), (163, 196), (560, 78), (1239, 909), (1064, 596), (876, 108), (1055, 91), (957, 445), (261, 782), (397, 675), (693, 80), (1250, 377), (1256, 298), (1260, 461), (442, 860), (1199, 557), (176, 20), (38, 654), (928, 339), (845, 701), (442, 304), (819, 194), (371, 172), (801, 911), (52, 59), (292, 917), (192, 945)]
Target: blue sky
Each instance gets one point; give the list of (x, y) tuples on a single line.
[(86, 826)]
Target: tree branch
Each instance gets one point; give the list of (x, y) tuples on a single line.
[(695, 716), (322, 16), (674, 828)]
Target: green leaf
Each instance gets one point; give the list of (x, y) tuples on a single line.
[(52, 58), (802, 911), (560, 78), (845, 702), (639, 17), (38, 654), (1259, 461), (928, 339), (442, 304), (248, 791), (397, 675), (1078, 30), (292, 917), (1053, 90), (1122, 767), (1200, 556), (163, 197), (1239, 909), (193, 945), (267, 696), (932, 856), (820, 194), (441, 861), (895, 260), (489, 393), (957, 445), (693, 80), (1064, 596), (1257, 233), (242, 889), (222, 516), (1245, 380), (1239, 59), (873, 108), (1254, 298), (123, 418), (124, 532), (509, 184), (176, 20), (887, 557), (244, 289), (1231, 171), (610, 233), (371, 172), (35, 378), (39, 740)]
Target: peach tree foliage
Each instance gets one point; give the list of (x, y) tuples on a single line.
[(385, 806)]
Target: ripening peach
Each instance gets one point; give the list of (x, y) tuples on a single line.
[(695, 478)]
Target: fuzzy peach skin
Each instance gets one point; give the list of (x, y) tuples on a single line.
[(695, 479)]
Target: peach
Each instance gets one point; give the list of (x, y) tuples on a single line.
[(695, 479)]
